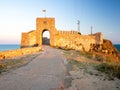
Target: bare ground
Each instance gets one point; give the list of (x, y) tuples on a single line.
[(84, 76), (54, 69), (44, 72)]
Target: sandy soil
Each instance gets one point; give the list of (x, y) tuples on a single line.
[(45, 72), (86, 77)]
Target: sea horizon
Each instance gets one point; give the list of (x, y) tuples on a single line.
[(4, 47)]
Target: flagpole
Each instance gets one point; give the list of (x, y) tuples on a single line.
[(78, 26), (44, 12)]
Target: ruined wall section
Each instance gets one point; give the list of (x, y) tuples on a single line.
[(32, 38), (73, 40), (28, 39), (24, 40), (99, 38)]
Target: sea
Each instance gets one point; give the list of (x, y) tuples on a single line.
[(4, 47), (117, 46)]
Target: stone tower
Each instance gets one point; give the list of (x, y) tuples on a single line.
[(45, 24), (34, 37)]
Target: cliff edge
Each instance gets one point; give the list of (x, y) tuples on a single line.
[(107, 48)]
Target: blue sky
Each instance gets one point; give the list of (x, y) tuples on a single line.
[(17, 16)]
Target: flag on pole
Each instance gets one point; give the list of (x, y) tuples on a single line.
[(44, 11)]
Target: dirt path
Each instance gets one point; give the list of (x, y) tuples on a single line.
[(45, 72), (52, 70)]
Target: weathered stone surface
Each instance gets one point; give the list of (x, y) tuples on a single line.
[(1, 55), (18, 52), (75, 41), (59, 38), (28, 39), (109, 48)]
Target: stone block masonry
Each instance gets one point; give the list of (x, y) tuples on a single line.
[(28, 39), (59, 38), (73, 40)]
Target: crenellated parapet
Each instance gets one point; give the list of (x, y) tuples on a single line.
[(99, 38), (75, 41), (67, 32), (59, 38)]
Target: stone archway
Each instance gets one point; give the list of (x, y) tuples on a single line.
[(34, 37), (46, 39), (43, 24)]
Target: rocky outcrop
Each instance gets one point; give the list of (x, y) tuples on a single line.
[(107, 48), (18, 52)]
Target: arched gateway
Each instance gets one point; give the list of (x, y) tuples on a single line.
[(43, 24), (59, 38), (34, 37), (46, 37)]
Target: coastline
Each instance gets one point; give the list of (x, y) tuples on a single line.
[(117, 46), (18, 52), (11, 59), (5, 47), (7, 65)]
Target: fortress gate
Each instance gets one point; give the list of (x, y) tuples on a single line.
[(45, 24), (59, 38)]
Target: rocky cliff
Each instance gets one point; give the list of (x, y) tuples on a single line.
[(107, 45), (107, 48)]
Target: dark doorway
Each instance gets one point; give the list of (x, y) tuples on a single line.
[(46, 37)]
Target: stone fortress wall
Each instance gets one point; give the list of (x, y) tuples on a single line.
[(28, 39), (73, 40), (59, 38)]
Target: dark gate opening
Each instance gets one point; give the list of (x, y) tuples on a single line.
[(45, 37)]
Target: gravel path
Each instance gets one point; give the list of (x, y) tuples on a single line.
[(45, 72)]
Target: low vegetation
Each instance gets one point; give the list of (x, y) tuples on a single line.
[(12, 63), (77, 63), (112, 69), (106, 64), (2, 68), (8, 64)]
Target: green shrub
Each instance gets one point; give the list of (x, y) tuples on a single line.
[(2, 68), (74, 62), (88, 55), (79, 33), (78, 64), (112, 69)]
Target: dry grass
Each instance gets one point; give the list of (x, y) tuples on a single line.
[(12, 63), (8, 64), (2, 68), (111, 68), (106, 64)]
